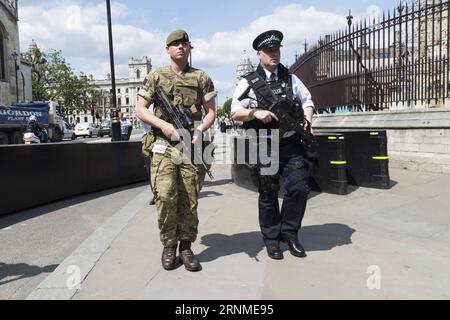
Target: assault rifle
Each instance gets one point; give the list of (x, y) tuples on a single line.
[(289, 122), (180, 118), (289, 119)]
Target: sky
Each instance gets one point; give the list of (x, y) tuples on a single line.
[(220, 31)]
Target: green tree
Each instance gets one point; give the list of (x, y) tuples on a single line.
[(226, 108), (54, 79)]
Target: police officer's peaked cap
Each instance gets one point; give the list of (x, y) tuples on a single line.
[(177, 35), (268, 39)]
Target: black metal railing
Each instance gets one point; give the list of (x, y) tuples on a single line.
[(398, 60)]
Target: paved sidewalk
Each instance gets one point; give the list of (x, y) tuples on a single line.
[(402, 233)]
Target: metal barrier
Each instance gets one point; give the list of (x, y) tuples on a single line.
[(330, 164), (367, 159), (32, 175), (340, 158)]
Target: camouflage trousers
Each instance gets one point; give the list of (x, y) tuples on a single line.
[(176, 187)]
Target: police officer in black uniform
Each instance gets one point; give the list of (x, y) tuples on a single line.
[(253, 96)]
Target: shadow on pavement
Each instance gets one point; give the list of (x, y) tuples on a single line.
[(208, 194), (314, 238), (216, 183), (325, 237), (221, 245), (16, 217), (392, 184), (22, 271)]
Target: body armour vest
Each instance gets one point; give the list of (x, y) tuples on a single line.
[(269, 94), (185, 92)]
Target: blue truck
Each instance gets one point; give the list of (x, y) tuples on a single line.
[(14, 121)]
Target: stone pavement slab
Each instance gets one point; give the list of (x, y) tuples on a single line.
[(397, 238)]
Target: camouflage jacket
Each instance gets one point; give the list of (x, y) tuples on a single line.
[(190, 88)]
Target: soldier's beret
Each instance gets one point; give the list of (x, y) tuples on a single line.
[(177, 35), (268, 39)]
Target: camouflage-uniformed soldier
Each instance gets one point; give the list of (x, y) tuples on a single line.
[(177, 185)]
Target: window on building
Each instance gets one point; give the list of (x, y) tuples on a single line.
[(2, 56), (85, 119), (138, 74), (118, 90), (127, 101), (126, 90), (119, 101)]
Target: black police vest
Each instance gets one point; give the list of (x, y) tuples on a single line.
[(268, 94)]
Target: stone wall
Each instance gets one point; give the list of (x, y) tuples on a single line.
[(10, 31), (417, 139)]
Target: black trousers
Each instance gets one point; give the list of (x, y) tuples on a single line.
[(294, 170)]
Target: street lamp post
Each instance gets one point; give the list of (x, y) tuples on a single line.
[(15, 55), (23, 86), (116, 132)]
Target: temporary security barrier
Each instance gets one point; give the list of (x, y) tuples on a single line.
[(330, 163), (327, 156), (41, 173), (367, 158)]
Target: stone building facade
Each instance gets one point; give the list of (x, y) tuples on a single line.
[(127, 89), (15, 68), (9, 43)]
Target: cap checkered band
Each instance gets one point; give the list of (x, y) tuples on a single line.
[(268, 38), (273, 38)]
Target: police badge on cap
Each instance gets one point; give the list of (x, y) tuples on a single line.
[(268, 39)]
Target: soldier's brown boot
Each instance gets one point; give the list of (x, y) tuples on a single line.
[(190, 262), (169, 258)]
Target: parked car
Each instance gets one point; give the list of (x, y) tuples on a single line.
[(69, 133), (105, 128), (86, 130)]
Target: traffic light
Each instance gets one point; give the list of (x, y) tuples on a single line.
[(97, 115)]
